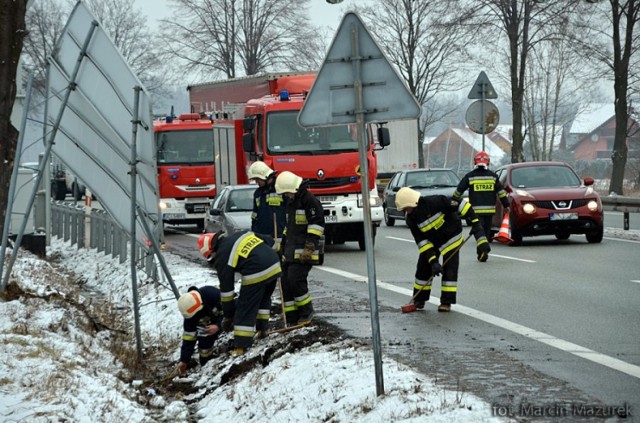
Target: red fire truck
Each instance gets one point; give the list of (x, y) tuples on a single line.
[(264, 127), (185, 167)]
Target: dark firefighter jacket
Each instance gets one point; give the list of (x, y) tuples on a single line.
[(211, 314), (305, 224), (249, 254), (483, 186), (436, 226), (267, 204)]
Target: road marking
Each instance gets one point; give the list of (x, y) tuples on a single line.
[(491, 254), (566, 346), (635, 281), (621, 240)]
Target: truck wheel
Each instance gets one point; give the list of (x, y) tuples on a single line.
[(77, 194), (58, 190), (361, 243)]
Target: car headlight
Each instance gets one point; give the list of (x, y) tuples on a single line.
[(529, 208), (374, 201), (592, 205)]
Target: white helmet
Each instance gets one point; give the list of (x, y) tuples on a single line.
[(259, 170), (407, 197), (189, 304), (287, 182)]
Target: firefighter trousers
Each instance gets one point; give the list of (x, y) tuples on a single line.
[(449, 284), (295, 291), (253, 308), (485, 221)]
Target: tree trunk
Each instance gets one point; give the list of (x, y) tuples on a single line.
[(12, 32)]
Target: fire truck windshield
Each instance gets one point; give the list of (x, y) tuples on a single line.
[(185, 147), (285, 136)]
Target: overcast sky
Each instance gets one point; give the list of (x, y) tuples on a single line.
[(327, 14)]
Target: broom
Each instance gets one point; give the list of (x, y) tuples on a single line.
[(411, 307)]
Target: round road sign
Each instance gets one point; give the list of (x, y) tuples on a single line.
[(482, 121)]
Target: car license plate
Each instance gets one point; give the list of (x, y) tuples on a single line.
[(330, 219), (563, 216), (172, 216)]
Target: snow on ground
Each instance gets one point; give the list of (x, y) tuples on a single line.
[(56, 363)]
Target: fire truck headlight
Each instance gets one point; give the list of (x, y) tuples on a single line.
[(163, 205)]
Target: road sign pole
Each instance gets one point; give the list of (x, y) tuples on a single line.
[(368, 237), (484, 121)]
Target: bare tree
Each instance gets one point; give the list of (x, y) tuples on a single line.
[(615, 45), (552, 95), (125, 24), (425, 41), (12, 33), (525, 23), (220, 36)]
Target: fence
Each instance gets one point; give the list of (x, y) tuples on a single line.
[(624, 204), (71, 223)]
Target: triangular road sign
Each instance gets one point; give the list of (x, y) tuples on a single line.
[(482, 84), (354, 59)]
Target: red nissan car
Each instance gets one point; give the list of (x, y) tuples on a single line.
[(548, 198)]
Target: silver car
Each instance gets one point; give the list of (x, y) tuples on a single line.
[(427, 181), (231, 209)]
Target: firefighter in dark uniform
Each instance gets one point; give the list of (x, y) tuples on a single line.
[(437, 230), (484, 187), (252, 256), (202, 312), (303, 245), (269, 208)]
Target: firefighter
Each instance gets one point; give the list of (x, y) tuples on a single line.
[(202, 312), (303, 245), (484, 187), (437, 230), (252, 256), (269, 208)]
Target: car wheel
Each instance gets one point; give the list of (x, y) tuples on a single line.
[(516, 237), (595, 237), (388, 220), (562, 235)]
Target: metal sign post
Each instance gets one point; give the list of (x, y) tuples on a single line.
[(357, 85)]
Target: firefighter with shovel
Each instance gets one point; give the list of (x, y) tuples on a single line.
[(436, 227)]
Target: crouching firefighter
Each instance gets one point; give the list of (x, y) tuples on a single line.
[(252, 256), (437, 231), (202, 312)]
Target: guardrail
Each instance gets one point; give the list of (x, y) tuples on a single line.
[(625, 205), (96, 229)]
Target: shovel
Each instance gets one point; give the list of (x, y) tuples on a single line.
[(411, 307)]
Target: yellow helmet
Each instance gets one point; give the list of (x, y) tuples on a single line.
[(287, 182), (407, 197), (189, 304), (259, 170)]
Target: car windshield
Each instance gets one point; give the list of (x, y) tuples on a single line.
[(240, 200), (185, 147), (544, 176), (285, 136), (431, 179)]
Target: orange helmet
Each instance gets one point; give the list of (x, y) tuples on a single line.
[(481, 159), (208, 244)]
